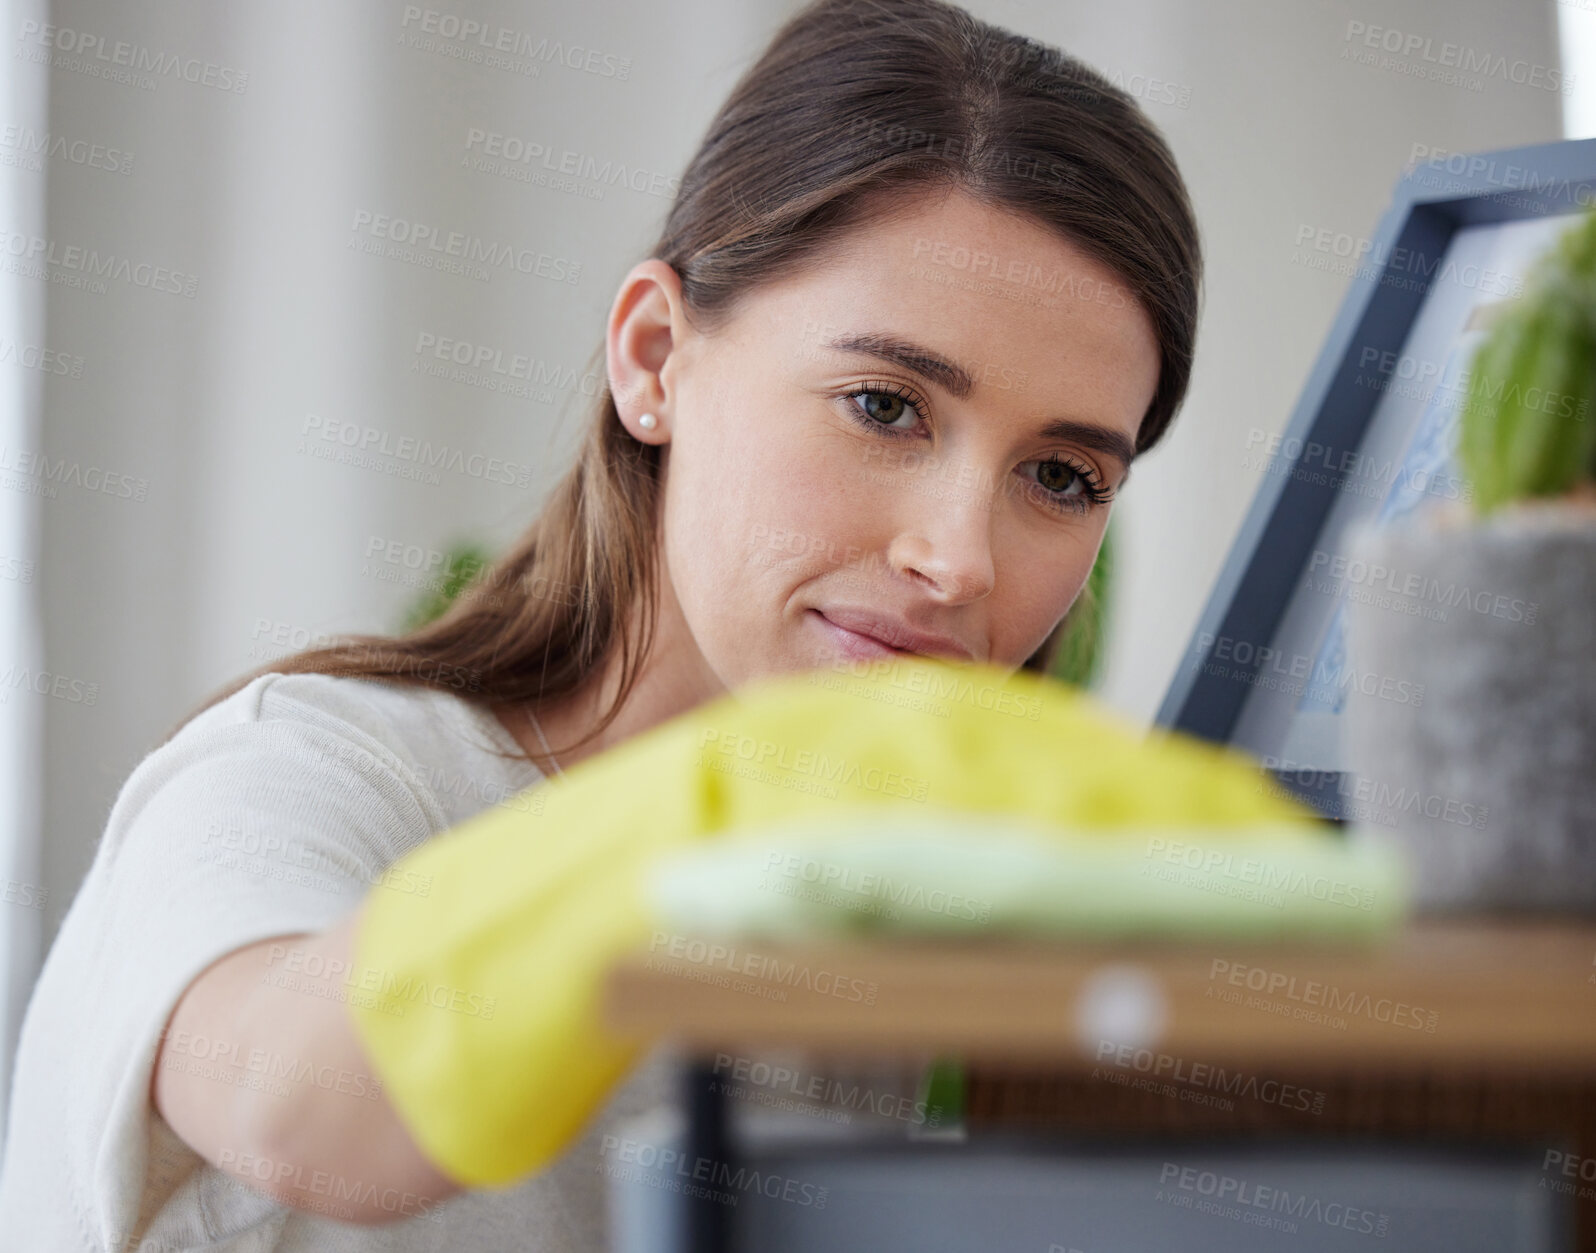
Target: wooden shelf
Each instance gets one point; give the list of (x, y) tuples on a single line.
[(1464, 996)]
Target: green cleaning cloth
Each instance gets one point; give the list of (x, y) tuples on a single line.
[(936, 873)]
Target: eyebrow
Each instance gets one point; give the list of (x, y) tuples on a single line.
[(956, 381)]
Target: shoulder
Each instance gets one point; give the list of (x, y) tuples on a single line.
[(289, 762), (297, 731), (372, 706), (451, 753), (392, 721)]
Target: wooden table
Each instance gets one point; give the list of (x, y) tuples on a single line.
[(1452, 1031)]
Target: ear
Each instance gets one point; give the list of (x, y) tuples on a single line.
[(645, 327)]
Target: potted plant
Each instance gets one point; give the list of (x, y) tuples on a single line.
[(464, 561), (1488, 781)]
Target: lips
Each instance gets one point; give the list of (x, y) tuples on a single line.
[(860, 632)]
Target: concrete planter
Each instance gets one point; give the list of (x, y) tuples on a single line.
[(1488, 781)]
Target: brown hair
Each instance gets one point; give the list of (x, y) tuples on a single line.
[(853, 102)]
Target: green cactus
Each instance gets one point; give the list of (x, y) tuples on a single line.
[(1527, 429)]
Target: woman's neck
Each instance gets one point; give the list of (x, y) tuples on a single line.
[(674, 679)]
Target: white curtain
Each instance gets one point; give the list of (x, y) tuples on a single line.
[(24, 358)]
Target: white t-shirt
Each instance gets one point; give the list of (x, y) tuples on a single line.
[(271, 812)]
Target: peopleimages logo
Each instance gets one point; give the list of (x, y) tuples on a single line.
[(1506, 174), (692, 1176), (35, 256), (495, 152), (849, 887), (24, 139), (1021, 272), (1346, 469), (1224, 863), (35, 357), (490, 366), (414, 456), (475, 41), (1400, 266), (1373, 800), (1570, 1166), (943, 683), (15, 678), (1312, 993), (434, 247), (816, 764), (773, 1084), (1294, 673), (303, 970), (122, 61), (1263, 1200), (1206, 1075), (672, 953), (1467, 388), (1343, 571), (1447, 56)]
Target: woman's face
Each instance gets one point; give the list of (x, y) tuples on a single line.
[(912, 439)]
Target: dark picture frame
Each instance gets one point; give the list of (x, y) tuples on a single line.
[(1396, 276)]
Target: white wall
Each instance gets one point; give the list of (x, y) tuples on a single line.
[(204, 399)]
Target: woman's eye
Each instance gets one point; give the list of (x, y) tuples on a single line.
[(1065, 486), (886, 409), (1058, 477)]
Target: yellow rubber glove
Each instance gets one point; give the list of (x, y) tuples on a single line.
[(484, 1021)]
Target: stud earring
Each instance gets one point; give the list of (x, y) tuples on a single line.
[(647, 421)]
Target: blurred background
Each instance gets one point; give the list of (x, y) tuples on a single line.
[(217, 389)]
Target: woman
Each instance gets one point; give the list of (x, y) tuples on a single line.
[(926, 291)]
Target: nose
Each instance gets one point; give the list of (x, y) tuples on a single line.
[(948, 540)]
